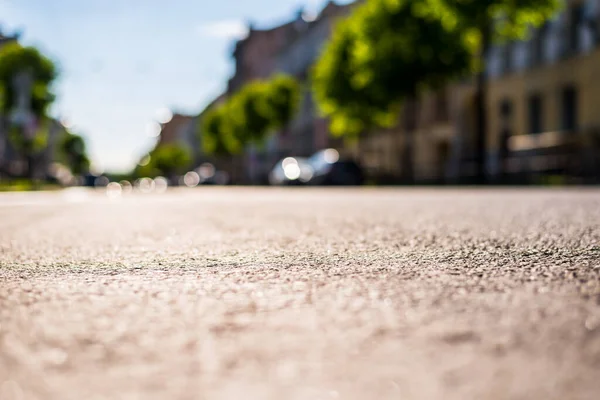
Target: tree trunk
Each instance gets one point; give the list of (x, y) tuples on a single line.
[(410, 125), (480, 109), (30, 174), (3, 147), (503, 155), (360, 154)]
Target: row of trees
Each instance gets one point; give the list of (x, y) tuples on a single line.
[(378, 61), (390, 51), (245, 118), (376, 64), (73, 153), (18, 62), (167, 160), (250, 115)]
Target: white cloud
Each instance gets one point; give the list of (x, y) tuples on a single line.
[(228, 29)]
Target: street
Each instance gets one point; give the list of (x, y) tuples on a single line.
[(263, 293)]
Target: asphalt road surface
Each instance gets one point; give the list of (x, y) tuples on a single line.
[(239, 293)]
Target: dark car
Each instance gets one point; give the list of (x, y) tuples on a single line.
[(209, 175), (89, 180), (328, 169), (324, 168), (291, 171)]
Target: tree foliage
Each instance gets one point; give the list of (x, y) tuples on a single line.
[(504, 19), (218, 136), (170, 159), (282, 99), (14, 59), (387, 51), (250, 115), (145, 168), (385, 54), (33, 145), (74, 153)]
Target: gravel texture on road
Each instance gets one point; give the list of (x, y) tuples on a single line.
[(241, 293)]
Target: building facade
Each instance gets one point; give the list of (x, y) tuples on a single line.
[(308, 132), (541, 104), (255, 56), (544, 96)]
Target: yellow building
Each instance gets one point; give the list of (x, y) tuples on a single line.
[(543, 105), (555, 106), (442, 121)]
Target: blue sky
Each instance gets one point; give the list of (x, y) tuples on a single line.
[(123, 61)]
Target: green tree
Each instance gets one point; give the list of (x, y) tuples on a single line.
[(485, 22), (145, 168), (282, 100), (16, 59), (383, 56), (220, 132), (250, 109), (74, 153), (250, 115), (170, 160), (30, 147)]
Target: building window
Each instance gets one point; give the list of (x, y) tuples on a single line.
[(569, 109), (576, 16), (538, 43), (507, 58), (535, 113), (594, 24), (506, 109), (591, 18)]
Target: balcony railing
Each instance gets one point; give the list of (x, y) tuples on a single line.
[(548, 151), (540, 141)]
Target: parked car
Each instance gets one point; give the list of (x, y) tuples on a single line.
[(209, 175), (220, 178), (324, 168), (291, 171), (89, 180), (329, 169)]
